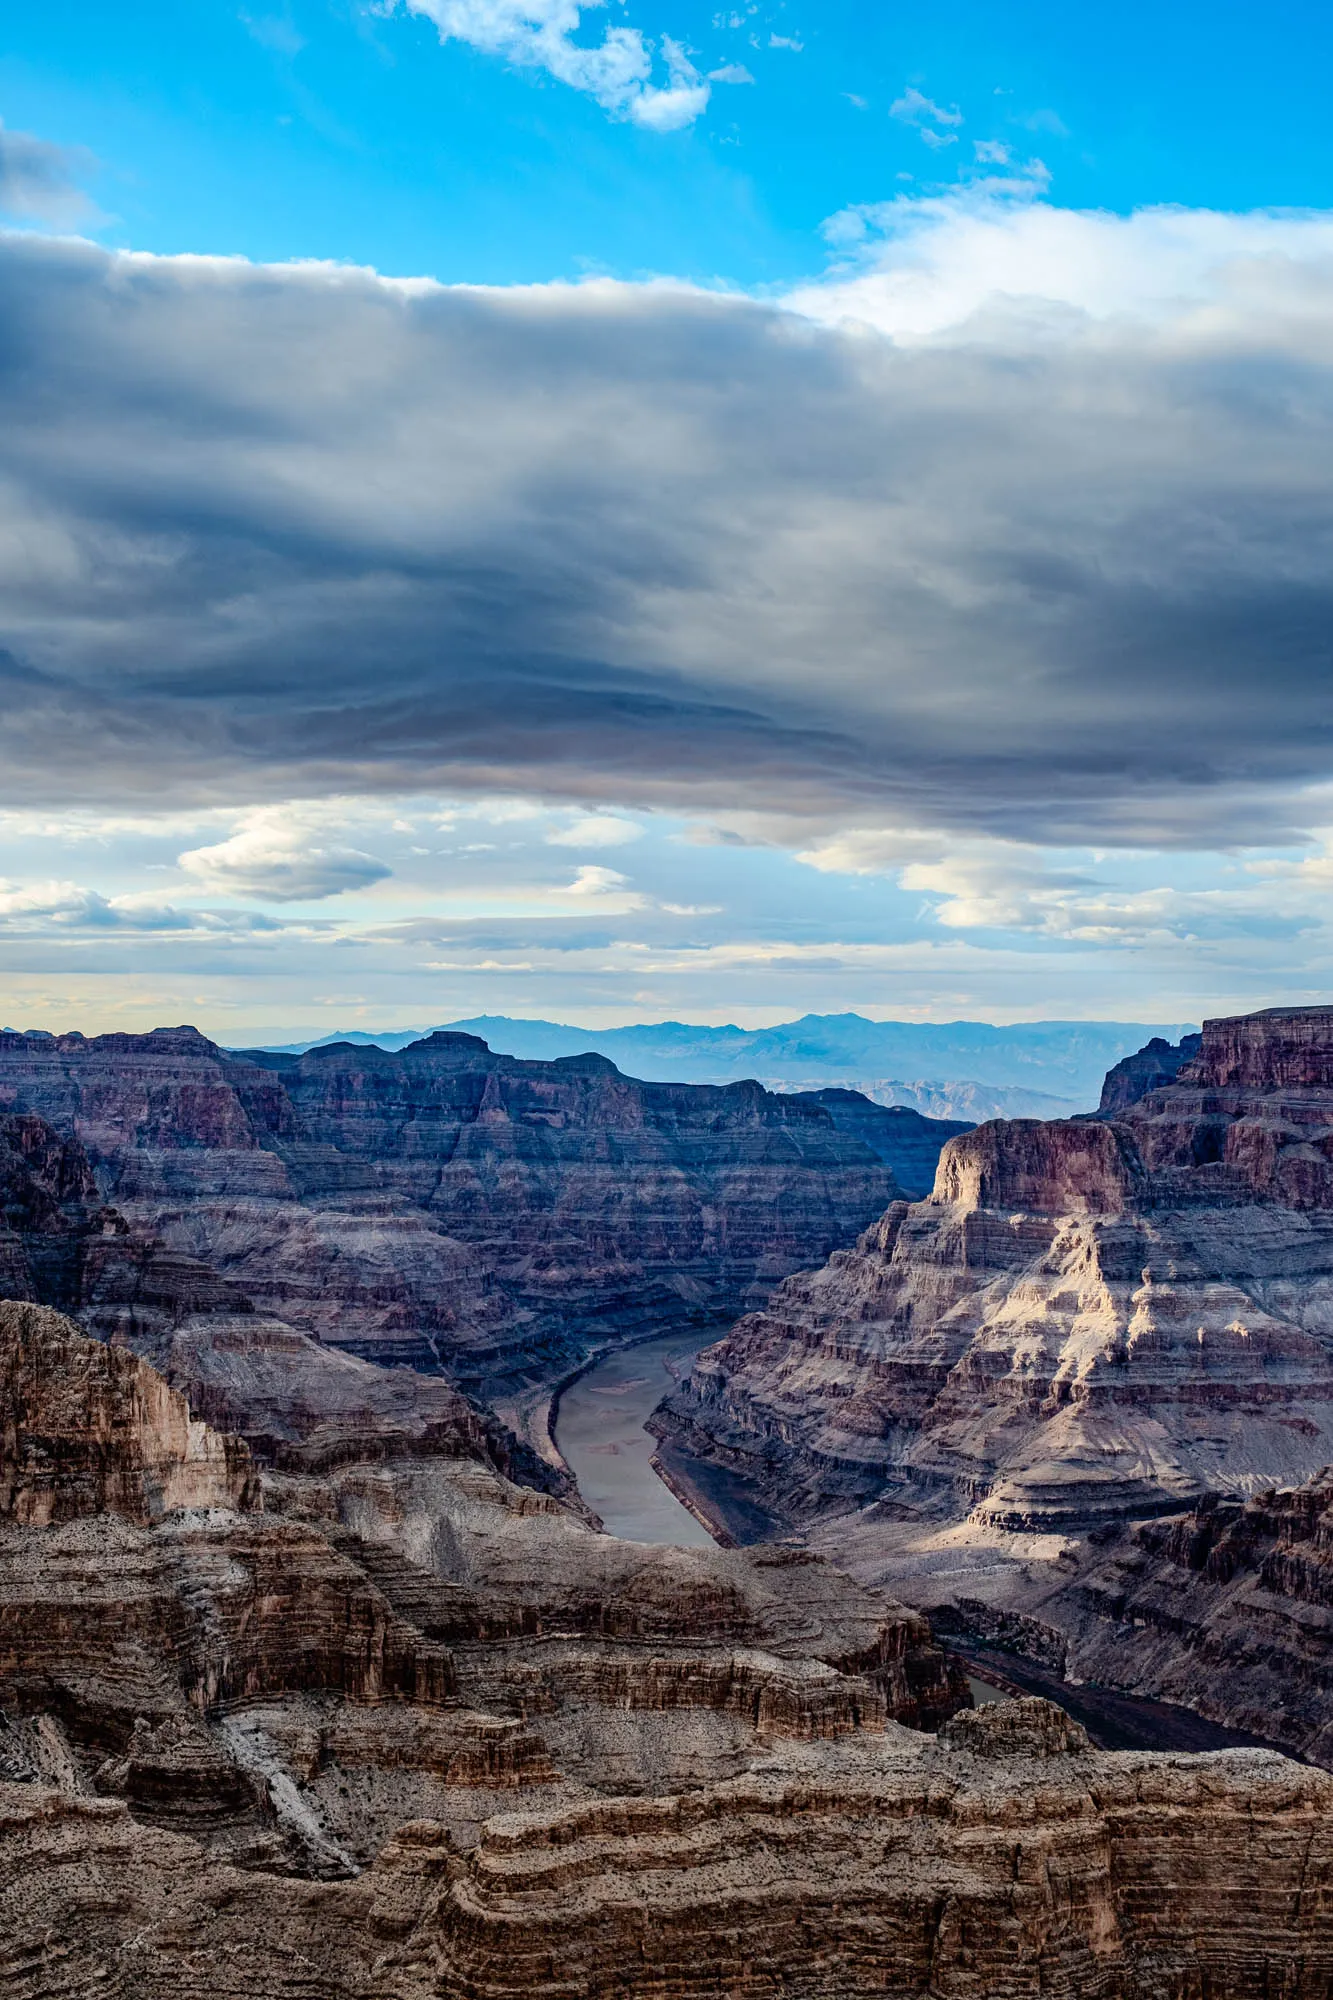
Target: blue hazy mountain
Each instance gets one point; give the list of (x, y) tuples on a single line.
[(962, 1069)]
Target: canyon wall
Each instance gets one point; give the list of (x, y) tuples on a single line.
[(443, 1206), (1086, 1320), (1226, 1609), (395, 1727)]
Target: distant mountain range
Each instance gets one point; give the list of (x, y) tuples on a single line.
[(954, 1069)]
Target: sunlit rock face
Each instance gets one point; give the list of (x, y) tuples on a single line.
[(223, 1686), (446, 1207), (1086, 1320)]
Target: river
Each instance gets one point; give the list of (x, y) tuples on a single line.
[(599, 1430)]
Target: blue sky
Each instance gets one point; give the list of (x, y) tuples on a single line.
[(330, 128), (865, 544)]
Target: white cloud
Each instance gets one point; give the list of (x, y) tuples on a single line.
[(602, 883), (617, 71), (792, 42), (1000, 893), (917, 268), (914, 108), (596, 830), (68, 906), (281, 857), (872, 850), (41, 180), (730, 73)]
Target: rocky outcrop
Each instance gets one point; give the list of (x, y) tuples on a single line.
[(412, 1729), (87, 1429), (396, 1627), (1158, 1063), (1226, 1609), (909, 1145), (1087, 1320), (444, 1206), (1008, 1859)]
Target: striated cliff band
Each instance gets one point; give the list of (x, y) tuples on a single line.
[(396, 1727), (438, 1206), (1086, 1322)]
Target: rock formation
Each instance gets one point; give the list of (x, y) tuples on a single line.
[(1226, 1609), (1003, 1859), (87, 1429), (909, 1145), (1157, 1063), (443, 1206), (1087, 1320), (368, 1721), (289, 1664)]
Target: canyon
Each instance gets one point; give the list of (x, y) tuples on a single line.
[(440, 1207), (393, 1725), (1017, 1402)]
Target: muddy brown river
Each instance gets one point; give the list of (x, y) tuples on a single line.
[(598, 1426)]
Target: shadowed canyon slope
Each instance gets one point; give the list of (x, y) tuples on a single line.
[(447, 1207), (1085, 1319), (398, 1728)]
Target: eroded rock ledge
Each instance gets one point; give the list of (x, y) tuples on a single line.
[(1005, 1859), (290, 1662), (441, 1206), (406, 1729), (1087, 1320)]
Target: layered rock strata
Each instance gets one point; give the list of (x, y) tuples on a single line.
[(1004, 1859), (1226, 1609), (1156, 1064), (390, 1633), (444, 1206), (1086, 1320), (408, 1729)]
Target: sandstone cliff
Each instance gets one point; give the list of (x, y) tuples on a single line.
[(1006, 1859), (444, 1206), (87, 1429), (1227, 1609), (399, 1630), (1086, 1320), (410, 1729), (1159, 1062)]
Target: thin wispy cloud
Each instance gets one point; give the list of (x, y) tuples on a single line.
[(934, 122)]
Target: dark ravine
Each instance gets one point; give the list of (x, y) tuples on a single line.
[(1114, 1720)]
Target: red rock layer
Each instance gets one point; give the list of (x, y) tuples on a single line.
[(445, 1205), (1085, 1320), (1004, 1861)]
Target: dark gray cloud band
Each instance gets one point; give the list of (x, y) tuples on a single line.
[(274, 532)]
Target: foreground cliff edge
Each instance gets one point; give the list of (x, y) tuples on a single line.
[(400, 1728), (1088, 1323)]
